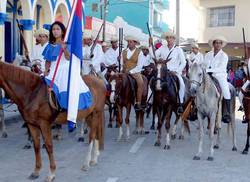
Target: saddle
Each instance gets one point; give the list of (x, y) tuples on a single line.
[(217, 85)]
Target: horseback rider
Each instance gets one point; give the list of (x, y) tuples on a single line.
[(60, 86), (132, 64), (245, 85), (196, 56), (216, 65), (112, 55), (147, 60), (91, 62), (36, 56), (175, 60)]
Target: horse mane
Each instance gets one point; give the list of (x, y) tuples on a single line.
[(18, 75)]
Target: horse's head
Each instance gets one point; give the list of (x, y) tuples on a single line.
[(115, 81), (111, 70), (158, 74), (196, 76)]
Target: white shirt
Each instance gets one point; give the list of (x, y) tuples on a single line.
[(196, 58), (140, 62), (146, 60), (177, 62), (216, 64), (110, 57), (36, 54), (96, 60)]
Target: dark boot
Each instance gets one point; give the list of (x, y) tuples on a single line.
[(226, 115)]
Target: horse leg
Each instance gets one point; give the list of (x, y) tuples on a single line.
[(119, 122), (110, 116), (211, 136), (173, 133), (245, 151), (233, 126), (81, 138), (217, 143), (201, 135), (58, 132), (29, 140), (153, 119), (2, 123), (47, 137), (143, 132), (167, 127), (128, 110), (159, 125), (35, 133)]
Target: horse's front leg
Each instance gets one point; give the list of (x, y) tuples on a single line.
[(232, 126), (167, 126), (35, 133), (47, 136), (128, 110), (173, 133), (2, 123), (211, 136), (201, 135), (81, 136), (110, 116), (159, 125), (119, 122), (245, 151)]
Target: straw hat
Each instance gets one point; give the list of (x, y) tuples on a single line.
[(168, 34), (221, 38), (113, 39), (195, 45), (87, 34), (131, 37), (144, 46), (41, 31)]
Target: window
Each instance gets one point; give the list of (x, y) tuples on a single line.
[(223, 16)]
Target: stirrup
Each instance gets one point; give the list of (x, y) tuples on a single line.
[(137, 107), (180, 110), (226, 119)]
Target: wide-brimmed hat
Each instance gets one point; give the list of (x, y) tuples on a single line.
[(87, 34), (113, 39), (144, 46), (130, 37), (219, 37), (195, 45), (41, 31), (168, 34)]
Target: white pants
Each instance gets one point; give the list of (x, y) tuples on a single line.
[(241, 94), (223, 85), (182, 88)]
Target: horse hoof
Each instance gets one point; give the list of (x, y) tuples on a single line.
[(157, 144), (234, 149), (85, 131), (93, 163), (196, 158), (210, 158), (4, 135), (216, 146), (85, 168), (181, 137), (152, 127), (80, 139), (116, 126), (33, 176), (27, 146), (44, 146), (167, 147), (50, 178), (173, 136), (146, 132), (110, 125), (245, 152)]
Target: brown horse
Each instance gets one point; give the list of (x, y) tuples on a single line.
[(30, 94), (246, 105), (123, 95)]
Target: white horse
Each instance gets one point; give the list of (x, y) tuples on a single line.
[(209, 104)]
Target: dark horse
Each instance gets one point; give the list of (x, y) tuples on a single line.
[(30, 94), (165, 87), (246, 105), (123, 95)]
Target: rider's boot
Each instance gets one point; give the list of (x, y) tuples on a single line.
[(226, 116)]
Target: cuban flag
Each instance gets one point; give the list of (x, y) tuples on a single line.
[(79, 96)]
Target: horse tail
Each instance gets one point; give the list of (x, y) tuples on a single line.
[(100, 131)]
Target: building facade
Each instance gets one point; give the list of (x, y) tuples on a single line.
[(135, 12)]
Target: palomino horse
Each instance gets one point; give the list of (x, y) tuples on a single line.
[(123, 95), (209, 102), (2, 123), (246, 105), (30, 93), (165, 86)]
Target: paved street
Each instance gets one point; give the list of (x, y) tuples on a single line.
[(134, 161)]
